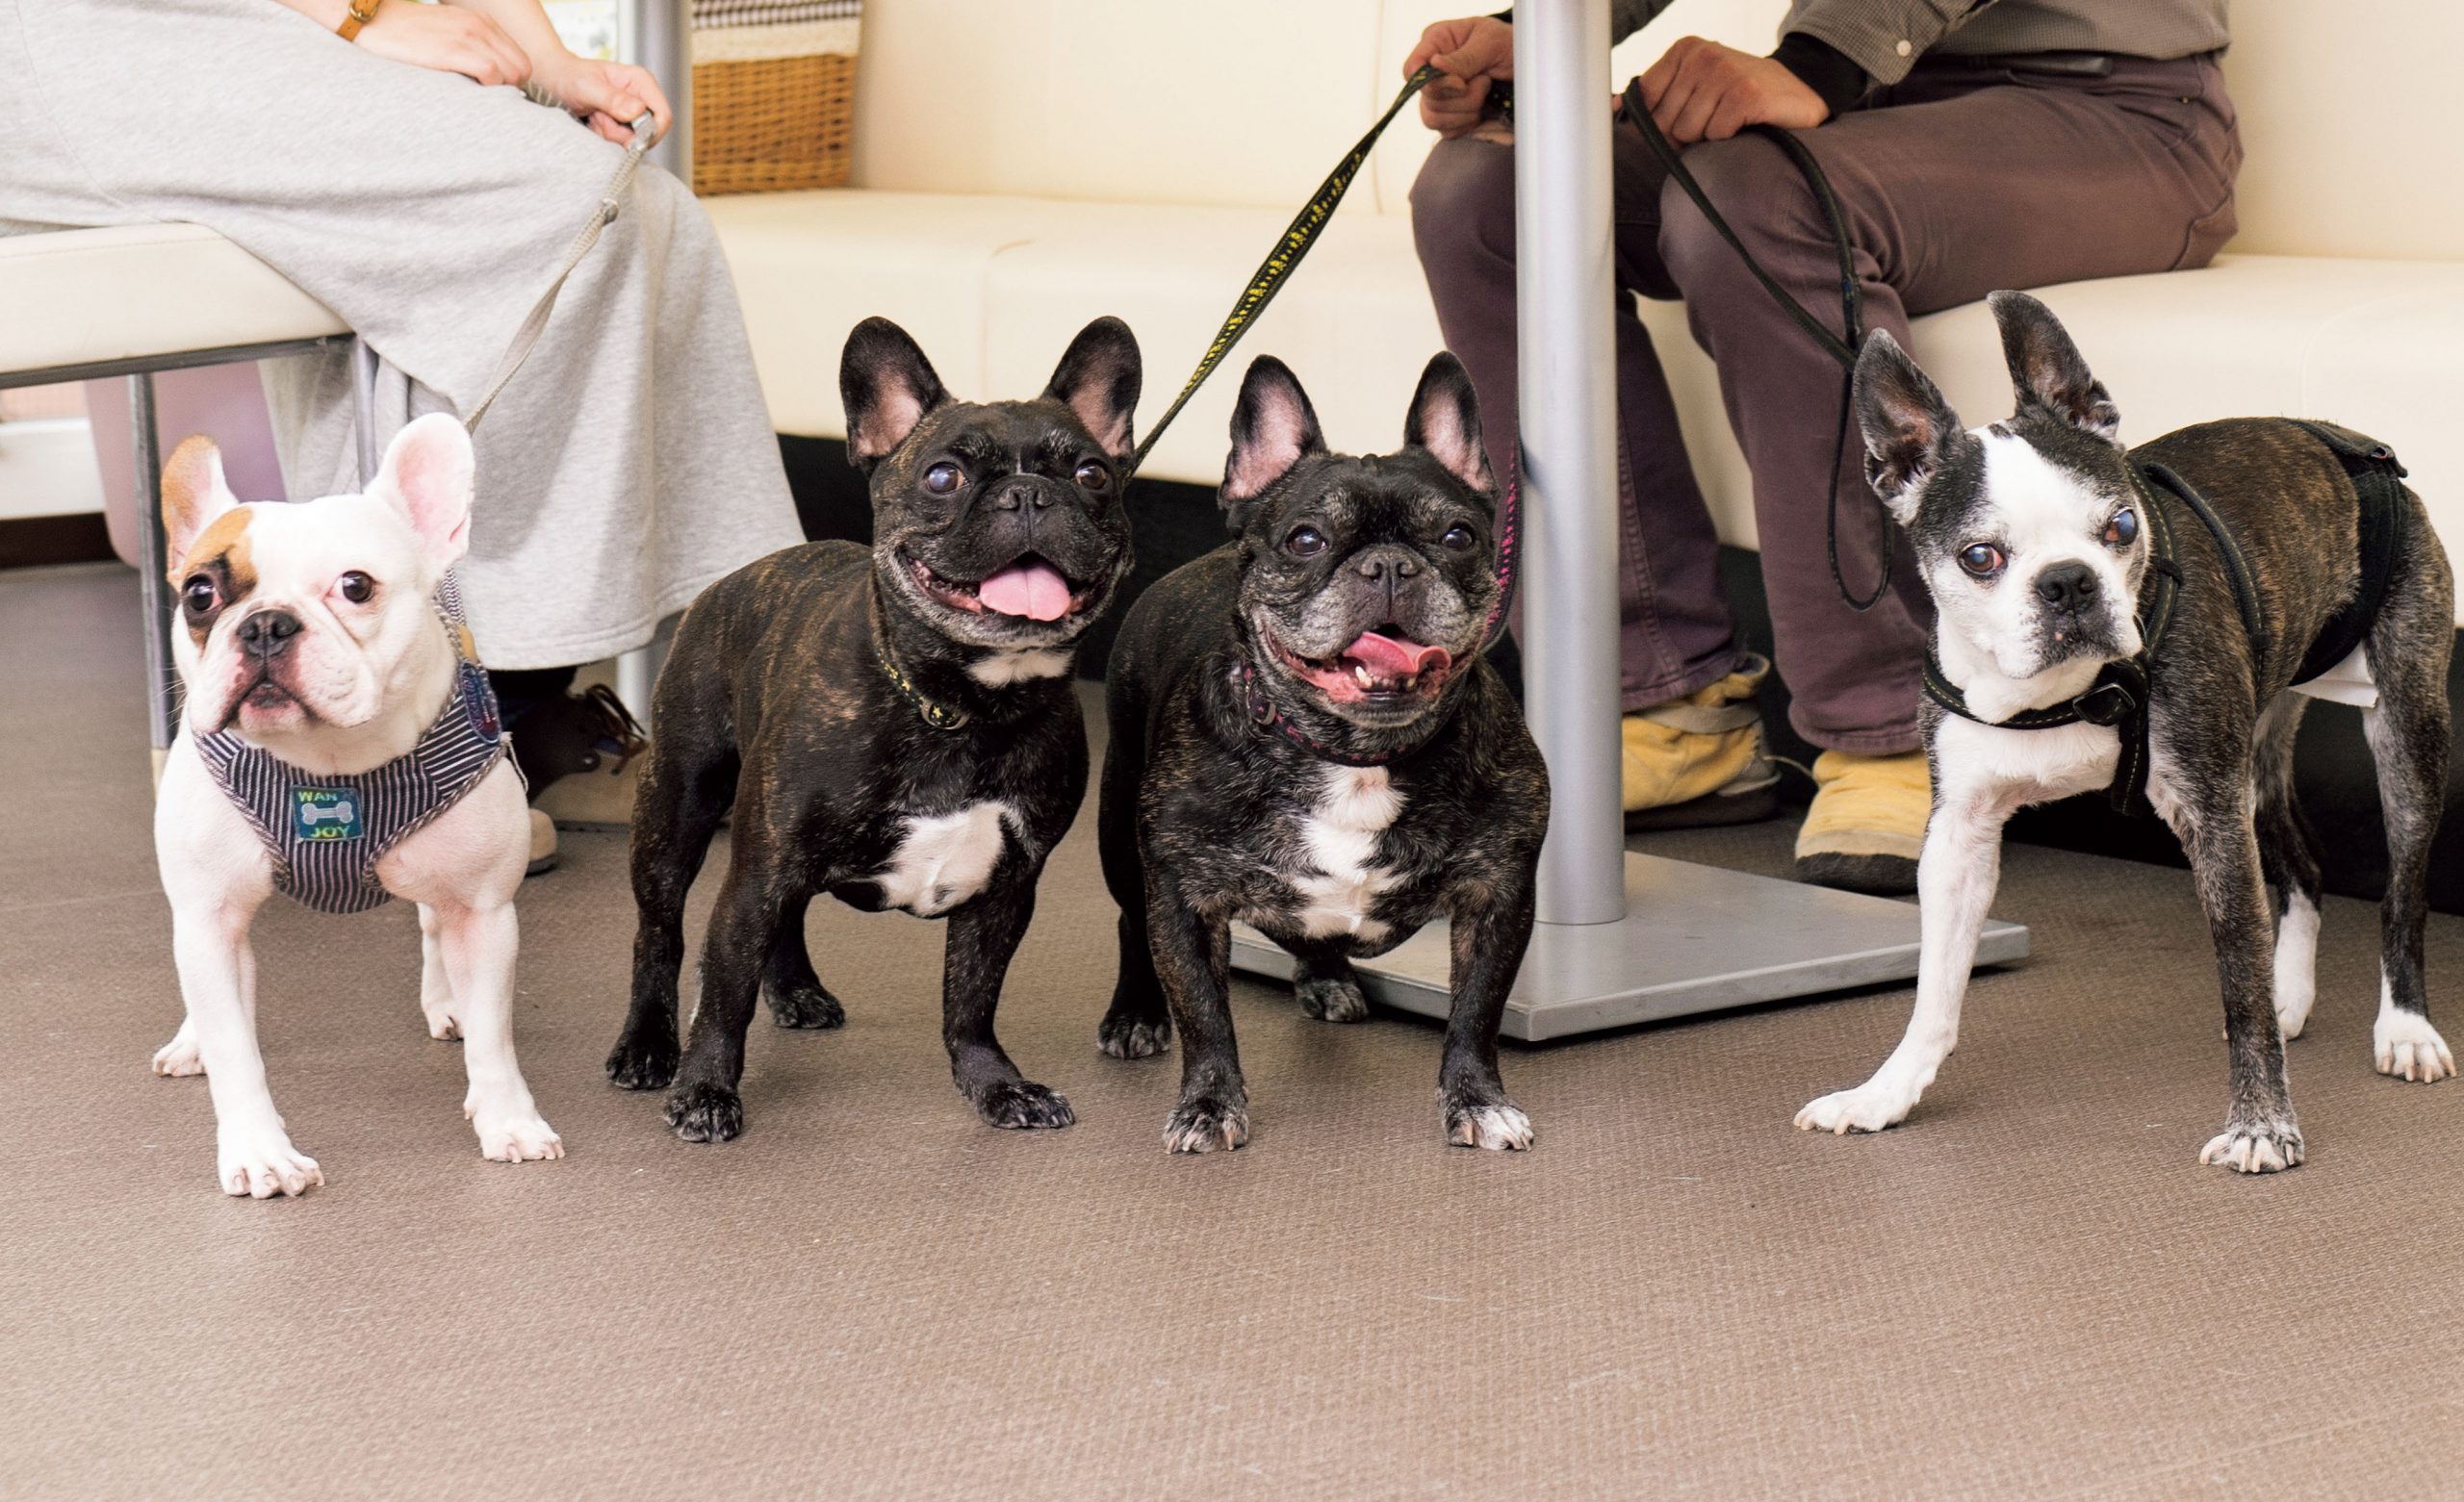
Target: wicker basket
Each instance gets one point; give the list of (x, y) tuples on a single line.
[(772, 124)]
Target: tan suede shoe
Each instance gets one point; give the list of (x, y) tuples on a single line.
[(543, 844), (1699, 760), (1867, 822)]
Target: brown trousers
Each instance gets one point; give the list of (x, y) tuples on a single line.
[(1966, 176)]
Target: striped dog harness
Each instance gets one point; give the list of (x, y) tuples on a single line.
[(326, 833)]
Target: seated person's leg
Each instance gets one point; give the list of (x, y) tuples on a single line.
[(1692, 744), (1970, 189)]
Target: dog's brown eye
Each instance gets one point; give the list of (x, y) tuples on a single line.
[(1093, 476), (2123, 529), (942, 479), (1981, 559), (1305, 541), (356, 587), (1459, 538), (198, 595)]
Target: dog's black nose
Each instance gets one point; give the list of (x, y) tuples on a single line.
[(1392, 565), (1011, 498), (267, 632), (2066, 584)]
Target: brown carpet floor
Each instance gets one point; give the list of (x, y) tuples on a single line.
[(2030, 1290)]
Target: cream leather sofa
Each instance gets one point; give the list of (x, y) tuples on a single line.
[(1026, 165)]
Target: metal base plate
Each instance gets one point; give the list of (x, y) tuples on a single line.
[(1695, 939)]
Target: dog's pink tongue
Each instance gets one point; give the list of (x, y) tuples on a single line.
[(1033, 590), (1389, 658)]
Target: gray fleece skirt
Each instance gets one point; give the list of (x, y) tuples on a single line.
[(630, 462)]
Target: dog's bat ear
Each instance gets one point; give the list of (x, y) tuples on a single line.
[(428, 475), (1445, 421), (1907, 425), (1273, 428), (1098, 381), (2046, 369), (887, 385), (194, 494)]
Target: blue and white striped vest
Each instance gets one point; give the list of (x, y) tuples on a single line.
[(327, 832)]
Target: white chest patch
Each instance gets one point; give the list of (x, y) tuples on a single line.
[(1355, 806), (1000, 670), (944, 859)]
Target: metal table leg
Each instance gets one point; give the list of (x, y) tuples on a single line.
[(162, 685)]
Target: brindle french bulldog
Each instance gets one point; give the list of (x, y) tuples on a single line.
[(895, 727), (1305, 736)]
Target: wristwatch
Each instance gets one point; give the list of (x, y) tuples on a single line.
[(360, 14)]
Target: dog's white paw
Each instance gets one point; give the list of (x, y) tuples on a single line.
[(2405, 1045), (441, 1025), (180, 1056), (516, 1138), (262, 1163), (1497, 1128), (1865, 1109), (2263, 1148)]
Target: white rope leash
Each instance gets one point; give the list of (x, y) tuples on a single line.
[(646, 133)]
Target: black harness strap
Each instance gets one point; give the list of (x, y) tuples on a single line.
[(2378, 479), (2119, 697)]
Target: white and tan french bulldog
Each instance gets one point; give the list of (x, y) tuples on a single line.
[(329, 701)]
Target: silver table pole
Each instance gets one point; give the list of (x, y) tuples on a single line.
[(663, 43), (1567, 349)]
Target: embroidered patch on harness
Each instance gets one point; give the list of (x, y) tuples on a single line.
[(325, 814), (480, 701)]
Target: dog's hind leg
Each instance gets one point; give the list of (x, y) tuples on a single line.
[(796, 995), (1326, 985), (436, 987), (2287, 858), (2409, 735), (683, 795), (744, 926), (1137, 1025)]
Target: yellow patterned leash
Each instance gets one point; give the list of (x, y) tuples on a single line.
[(1297, 238)]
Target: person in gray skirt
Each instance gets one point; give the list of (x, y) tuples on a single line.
[(383, 155)]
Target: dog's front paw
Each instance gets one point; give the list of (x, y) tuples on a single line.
[(516, 1138), (1124, 1037), (180, 1056), (442, 1025), (2405, 1044), (705, 1113), (1864, 1108), (1205, 1125), (262, 1163), (642, 1063), (2255, 1147), (1022, 1104), (807, 1006), (1499, 1126), (1336, 998)]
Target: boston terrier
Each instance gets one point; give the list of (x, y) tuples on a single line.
[(1306, 737), (337, 744), (892, 726), (2160, 615)]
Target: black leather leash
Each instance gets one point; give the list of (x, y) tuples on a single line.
[(1841, 346)]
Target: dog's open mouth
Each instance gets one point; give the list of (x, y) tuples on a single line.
[(1379, 667), (1029, 589)]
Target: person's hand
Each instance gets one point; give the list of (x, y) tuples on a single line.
[(449, 39), (606, 96), (1700, 90), (1467, 54)]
